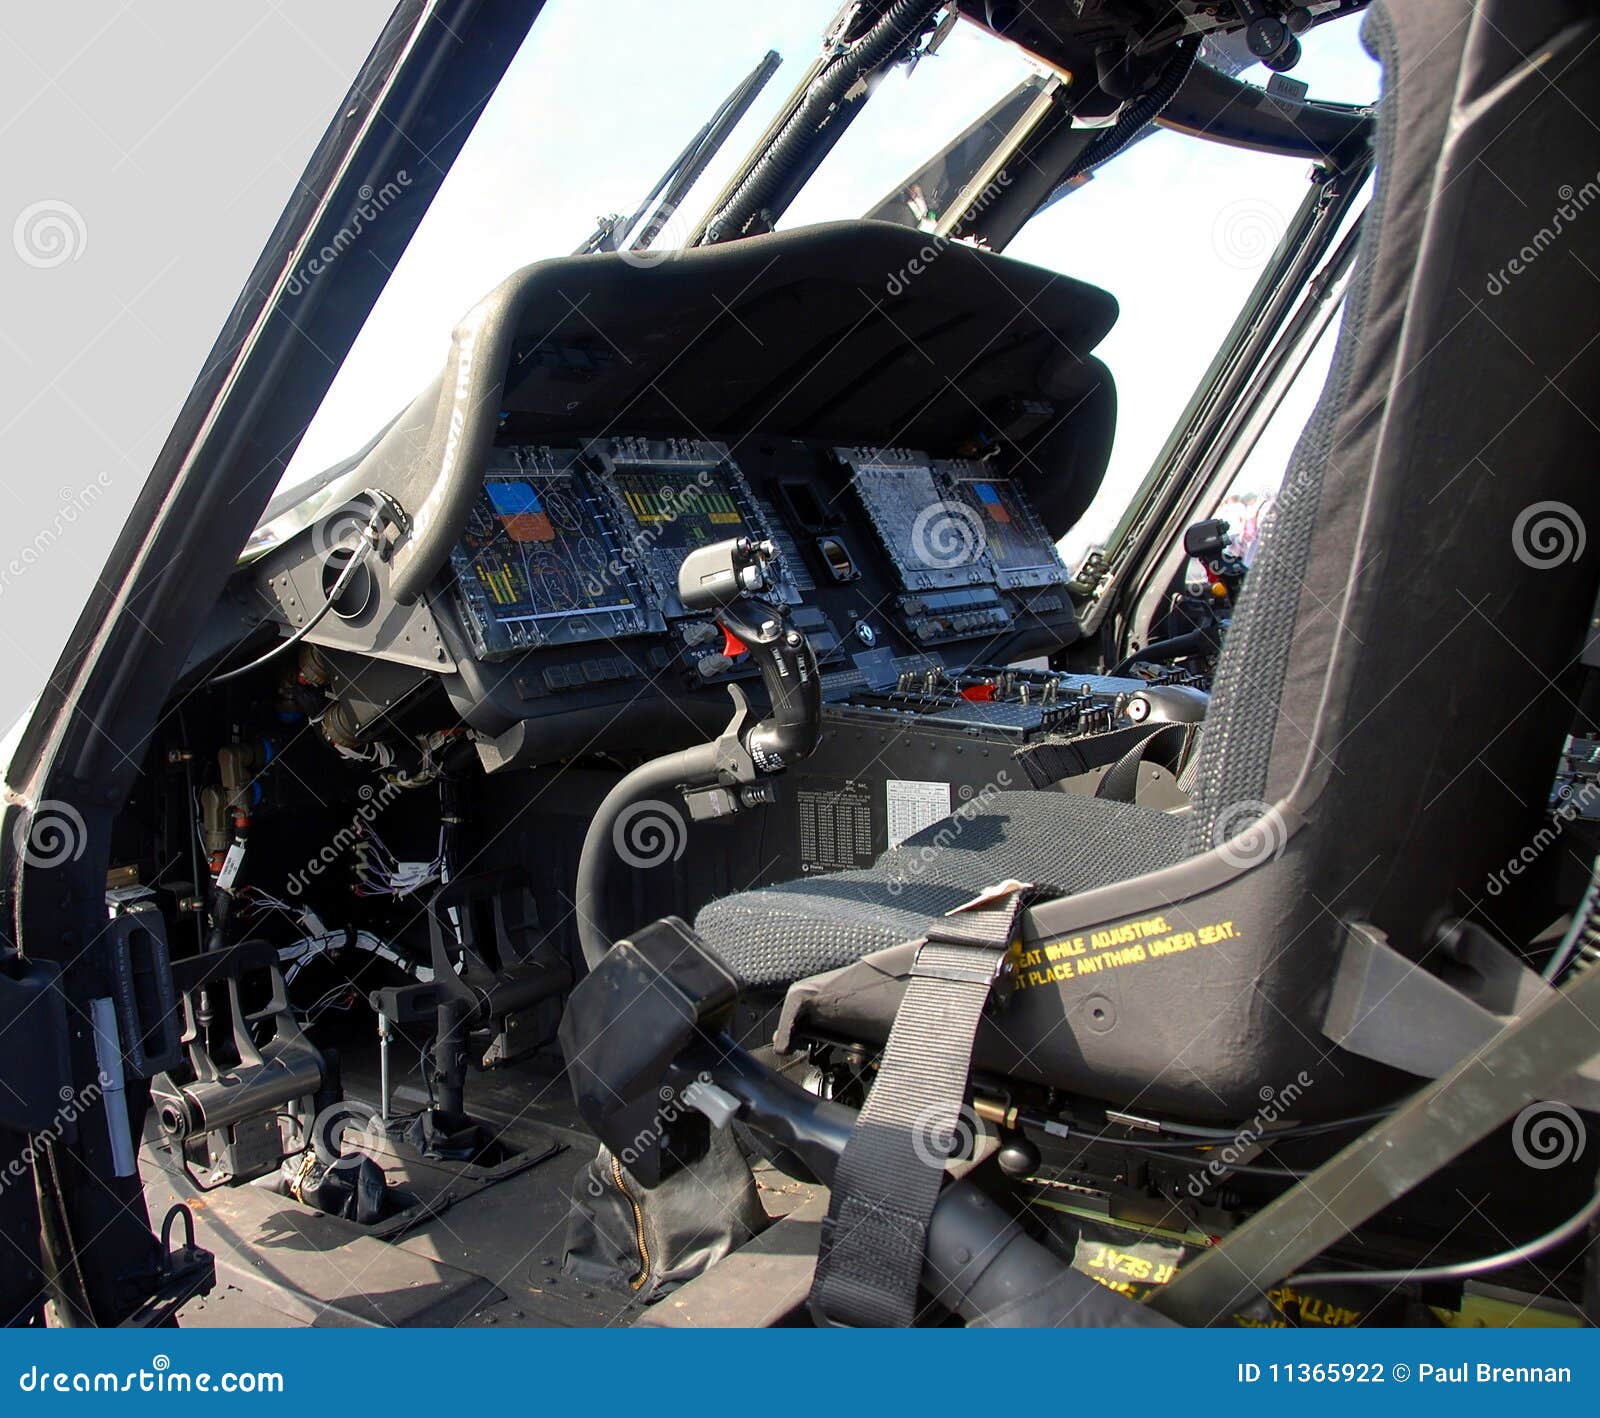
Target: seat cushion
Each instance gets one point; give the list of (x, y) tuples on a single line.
[(1060, 841)]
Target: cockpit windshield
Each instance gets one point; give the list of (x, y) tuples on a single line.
[(1174, 221)]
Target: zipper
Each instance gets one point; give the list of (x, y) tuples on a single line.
[(637, 1282)]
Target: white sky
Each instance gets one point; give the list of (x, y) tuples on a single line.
[(1176, 229)]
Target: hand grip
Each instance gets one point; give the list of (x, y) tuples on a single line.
[(788, 668)]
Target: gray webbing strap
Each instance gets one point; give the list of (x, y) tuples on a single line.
[(1166, 744), (870, 1258)]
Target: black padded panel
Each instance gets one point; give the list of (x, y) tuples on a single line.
[(1061, 841), (852, 332)]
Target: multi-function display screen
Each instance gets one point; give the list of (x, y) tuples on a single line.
[(535, 564), (932, 539), (681, 508), (674, 497), (1015, 539), (536, 549)]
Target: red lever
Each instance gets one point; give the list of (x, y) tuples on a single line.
[(731, 644)]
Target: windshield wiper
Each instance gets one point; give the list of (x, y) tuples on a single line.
[(645, 225)]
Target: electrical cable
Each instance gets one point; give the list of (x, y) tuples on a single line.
[(1217, 1138), (1581, 933), (358, 558), (1461, 1270)]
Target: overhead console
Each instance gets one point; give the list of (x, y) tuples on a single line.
[(911, 456)]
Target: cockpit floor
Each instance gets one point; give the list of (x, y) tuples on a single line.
[(490, 1256)]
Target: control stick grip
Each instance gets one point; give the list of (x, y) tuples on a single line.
[(788, 668), (724, 579)]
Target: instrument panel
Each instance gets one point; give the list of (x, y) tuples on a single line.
[(540, 563), (560, 599), (580, 544)]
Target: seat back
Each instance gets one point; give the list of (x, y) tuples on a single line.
[(1393, 693), (1404, 656)]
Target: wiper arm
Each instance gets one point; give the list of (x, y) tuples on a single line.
[(684, 170)]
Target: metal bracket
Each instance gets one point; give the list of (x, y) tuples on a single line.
[(1530, 1057), (1379, 994)]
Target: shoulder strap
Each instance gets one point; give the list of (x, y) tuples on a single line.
[(870, 1259)]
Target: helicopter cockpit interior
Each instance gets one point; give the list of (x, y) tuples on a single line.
[(664, 834)]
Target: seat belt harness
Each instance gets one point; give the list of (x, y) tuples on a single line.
[(870, 1259)]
